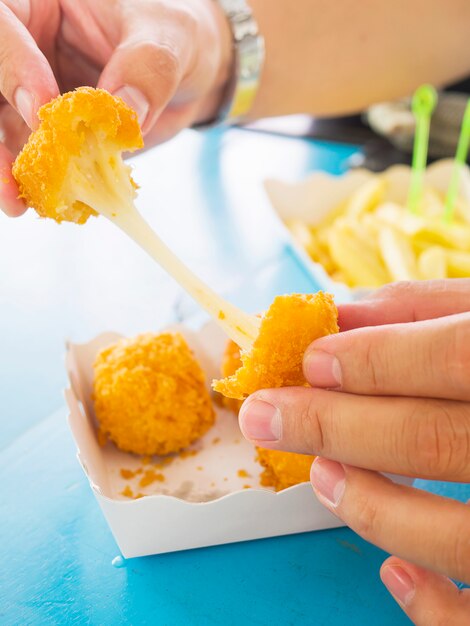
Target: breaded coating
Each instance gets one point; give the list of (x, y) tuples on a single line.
[(74, 158), (289, 326), (283, 469), (231, 361), (150, 394)]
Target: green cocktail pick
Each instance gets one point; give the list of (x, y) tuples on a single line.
[(423, 104), (459, 164)]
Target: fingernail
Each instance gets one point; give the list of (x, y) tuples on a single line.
[(260, 421), (136, 100), (329, 480), (322, 369), (24, 102), (399, 583)]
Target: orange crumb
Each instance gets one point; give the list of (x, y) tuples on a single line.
[(127, 474), (151, 476), (150, 395), (225, 479), (127, 492), (139, 495), (283, 469), (215, 441), (236, 441), (212, 484), (221, 315), (246, 486), (200, 468), (287, 329), (243, 474)]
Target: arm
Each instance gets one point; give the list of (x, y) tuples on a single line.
[(332, 58)]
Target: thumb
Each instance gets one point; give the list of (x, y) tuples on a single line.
[(428, 599)]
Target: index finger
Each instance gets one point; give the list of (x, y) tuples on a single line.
[(26, 78), (407, 302)]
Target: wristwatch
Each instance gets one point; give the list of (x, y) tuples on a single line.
[(248, 62)]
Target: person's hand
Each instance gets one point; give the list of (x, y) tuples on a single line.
[(391, 393), (168, 59)]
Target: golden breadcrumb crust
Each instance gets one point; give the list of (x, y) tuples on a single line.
[(150, 394), (283, 469), (41, 167), (289, 326)]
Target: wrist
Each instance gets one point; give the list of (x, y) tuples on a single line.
[(247, 61), (211, 104)]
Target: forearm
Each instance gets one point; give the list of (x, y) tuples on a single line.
[(333, 58)]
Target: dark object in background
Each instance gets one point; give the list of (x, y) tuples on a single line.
[(385, 131)]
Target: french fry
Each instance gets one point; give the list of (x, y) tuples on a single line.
[(397, 254), (366, 197), (432, 263), (359, 263), (458, 263)]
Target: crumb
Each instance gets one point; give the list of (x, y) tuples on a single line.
[(127, 492), (127, 474), (243, 474), (246, 486), (221, 315), (146, 460), (225, 479), (200, 468), (150, 477), (139, 495), (236, 441), (212, 484), (215, 441)]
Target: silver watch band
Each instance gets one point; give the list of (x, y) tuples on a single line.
[(248, 61)]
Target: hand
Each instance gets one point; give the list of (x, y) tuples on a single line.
[(168, 59), (391, 394)]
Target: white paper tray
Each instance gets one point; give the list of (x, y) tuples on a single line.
[(194, 507), (314, 197)]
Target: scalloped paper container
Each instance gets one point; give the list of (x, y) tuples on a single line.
[(204, 499), (318, 194)]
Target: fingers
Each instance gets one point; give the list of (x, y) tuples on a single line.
[(431, 531), (9, 201), (26, 78), (409, 436), (427, 359), (150, 62), (408, 302), (427, 598)]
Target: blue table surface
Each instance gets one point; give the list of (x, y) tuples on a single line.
[(204, 195)]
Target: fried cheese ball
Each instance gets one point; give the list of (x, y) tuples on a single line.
[(283, 469), (289, 326), (150, 394), (71, 166)]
